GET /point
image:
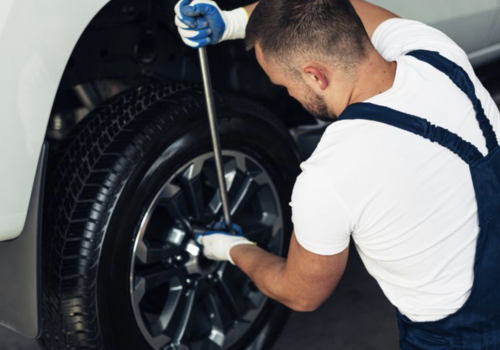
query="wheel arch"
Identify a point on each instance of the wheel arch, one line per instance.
(36, 40)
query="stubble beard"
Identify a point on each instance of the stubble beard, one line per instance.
(316, 105)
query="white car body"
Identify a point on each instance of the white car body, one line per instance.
(36, 41)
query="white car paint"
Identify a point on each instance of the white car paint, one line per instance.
(36, 41)
(38, 36)
(494, 49)
(465, 21)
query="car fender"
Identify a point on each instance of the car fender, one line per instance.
(36, 41)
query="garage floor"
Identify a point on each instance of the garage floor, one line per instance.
(356, 317)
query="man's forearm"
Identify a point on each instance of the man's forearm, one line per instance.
(263, 268)
(371, 15)
(298, 282)
(267, 271)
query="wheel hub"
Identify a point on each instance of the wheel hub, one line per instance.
(197, 263)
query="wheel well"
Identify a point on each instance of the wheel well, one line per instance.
(130, 42)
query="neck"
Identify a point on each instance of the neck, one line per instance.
(374, 76)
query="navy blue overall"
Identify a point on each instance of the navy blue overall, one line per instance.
(476, 325)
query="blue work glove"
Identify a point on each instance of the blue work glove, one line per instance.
(202, 22)
(217, 241)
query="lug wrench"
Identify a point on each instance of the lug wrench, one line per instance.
(209, 98)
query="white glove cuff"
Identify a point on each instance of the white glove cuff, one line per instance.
(242, 242)
(236, 23)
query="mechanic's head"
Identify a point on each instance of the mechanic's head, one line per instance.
(311, 47)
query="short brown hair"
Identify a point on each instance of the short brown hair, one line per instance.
(330, 29)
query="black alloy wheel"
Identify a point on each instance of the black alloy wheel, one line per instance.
(137, 182)
(180, 298)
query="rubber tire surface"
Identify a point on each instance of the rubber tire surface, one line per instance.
(90, 224)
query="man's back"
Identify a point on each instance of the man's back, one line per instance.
(409, 203)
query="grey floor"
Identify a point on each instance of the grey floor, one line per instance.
(356, 317)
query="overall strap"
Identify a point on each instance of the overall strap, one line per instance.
(465, 150)
(461, 79)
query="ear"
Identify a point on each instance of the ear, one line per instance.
(315, 77)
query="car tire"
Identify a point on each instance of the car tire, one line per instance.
(99, 193)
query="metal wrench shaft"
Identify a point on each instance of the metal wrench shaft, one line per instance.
(209, 98)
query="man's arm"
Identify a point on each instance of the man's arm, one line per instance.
(249, 8)
(371, 15)
(302, 281)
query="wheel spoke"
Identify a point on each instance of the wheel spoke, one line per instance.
(169, 309)
(141, 251)
(139, 290)
(160, 341)
(232, 299)
(261, 178)
(229, 301)
(244, 194)
(241, 186)
(185, 317)
(177, 347)
(233, 179)
(154, 253)
(192, 188)
(158, 254)
(157, 275)
(156, 331)
(173, 199)
(259, 233)
(215, 204)
(256, 298)
(217, 334)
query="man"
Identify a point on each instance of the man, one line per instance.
(413, 207)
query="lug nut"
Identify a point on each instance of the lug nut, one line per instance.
(188, 281)
(178, 258)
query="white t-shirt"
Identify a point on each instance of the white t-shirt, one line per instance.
(408, 203)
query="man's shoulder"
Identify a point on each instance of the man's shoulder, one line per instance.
(344, 135)
(346, 144)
